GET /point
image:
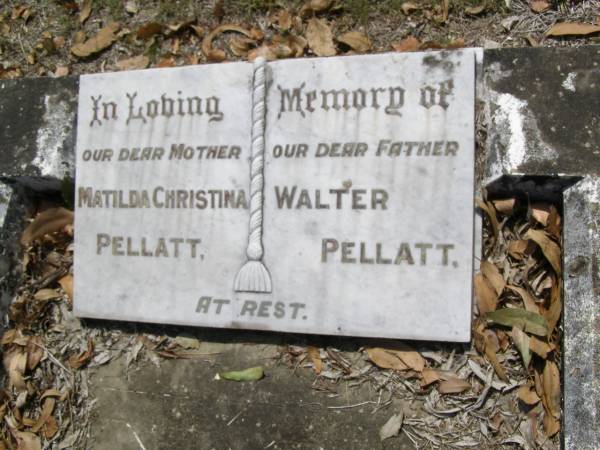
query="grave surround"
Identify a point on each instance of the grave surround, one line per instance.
(523, 97)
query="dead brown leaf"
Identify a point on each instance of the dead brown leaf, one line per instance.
(541, 212)
(218, 55)
(572, 29)
(61, 71)
(539, 347)
(85, 11)
(385, 360)
(49, 221)
(101, 40)
(78, 361)
(137, 62)
(491, 213)
(27, 440)
(15, 364)
(553, 313)
(528, 300)
(66, 283)
(35, 352)
(506, 206)
(285, 20)
(518, 248)
(47, 409)
(413, 360)
(551, 385)
(551, 425)
(356, 41)
(408, 44)
(320, 38)
(486, 297)
(50, 427)
(539, 6)
(315, 357)
(475, 10)
(46, 294)
(527, 394)
(492, 274)
(166, 62)
(241, 45)
(318, 6)
(429, 376)
(409, 7)
(453, 385)
(550, 249)
(148, 30)
(521, 341)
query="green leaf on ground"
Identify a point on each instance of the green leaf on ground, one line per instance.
(527, 321)
(251, 374)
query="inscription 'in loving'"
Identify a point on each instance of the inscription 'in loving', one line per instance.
(392, 98)
(165, 106)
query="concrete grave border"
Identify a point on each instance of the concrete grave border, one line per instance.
(527, 95)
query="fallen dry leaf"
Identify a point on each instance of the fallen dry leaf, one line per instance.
(521, 341)
(50, 427)
(47, 409)
(553, 313)
(541, 212)
(408, 44)
(506, 206)
(49, 221)
(492, 274)
(61, 71)
(518, 248)
(392, 426)
(453, 385)
(413, 360)
(429, 376)
(27, 440)
(527, 394)
(66, 283)
(148, 30)
(408, 7)
(551, 385)
(315, 357)
(475, 10)
(320, 38)
(539, 347)
(78, 361)
(551, 425)
(15, 363)
(85, 11)
(218, 55)
(285, 20)
(385, 360)
(356, 41)
(528, 300)
(137, 62)
(101, 40)
(550, 249)
(572, 29)
(539, 6)
(35, 352)
(491, 213)
(485, 296)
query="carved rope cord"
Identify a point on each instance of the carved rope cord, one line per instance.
(254, 276)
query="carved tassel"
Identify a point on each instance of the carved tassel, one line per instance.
(254, 276)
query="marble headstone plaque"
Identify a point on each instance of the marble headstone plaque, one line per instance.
(326, 195)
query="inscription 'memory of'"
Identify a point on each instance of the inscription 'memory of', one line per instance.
(391, 99)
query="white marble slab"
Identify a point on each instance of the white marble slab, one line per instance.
(375, 241)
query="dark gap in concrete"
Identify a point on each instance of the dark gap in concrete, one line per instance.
(540, 188)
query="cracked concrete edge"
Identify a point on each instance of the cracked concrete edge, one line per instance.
(581, 321)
